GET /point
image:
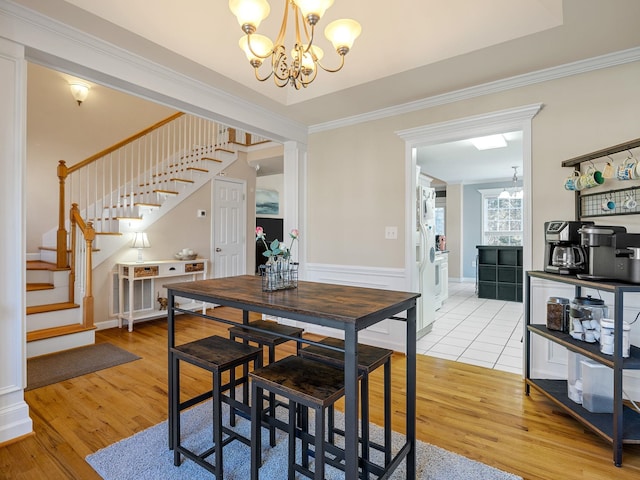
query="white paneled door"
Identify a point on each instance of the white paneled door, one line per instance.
(229, 228)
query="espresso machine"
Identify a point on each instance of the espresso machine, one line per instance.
(612, 253)
(564, 252)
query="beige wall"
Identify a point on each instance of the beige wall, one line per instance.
(357, 174)
(356, 188)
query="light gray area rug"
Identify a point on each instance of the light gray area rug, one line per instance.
(60, 366)
(145, 455)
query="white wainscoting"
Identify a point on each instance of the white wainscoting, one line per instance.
(550, 359)
(387, 334)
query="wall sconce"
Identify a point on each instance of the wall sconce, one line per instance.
(140, 241)
(80, 91)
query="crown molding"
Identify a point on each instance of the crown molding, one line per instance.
(476, 125)
(518, 81)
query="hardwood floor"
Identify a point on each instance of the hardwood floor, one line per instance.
(480, 413)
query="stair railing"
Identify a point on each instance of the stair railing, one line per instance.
(81, 255)
(109, 185)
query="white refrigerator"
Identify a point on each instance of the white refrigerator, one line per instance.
(426, 256)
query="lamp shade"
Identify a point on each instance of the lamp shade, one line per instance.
(140, 240)
(313, 7)
(250, 12)
(261, 47)
(80, 91)
(342, 33)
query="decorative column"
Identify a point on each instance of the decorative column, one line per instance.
(295, 168)
(14, 412)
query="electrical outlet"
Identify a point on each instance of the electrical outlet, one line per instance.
(391, 233)
(201, 213)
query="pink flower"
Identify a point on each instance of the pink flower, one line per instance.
(259, 232)
(294, 233)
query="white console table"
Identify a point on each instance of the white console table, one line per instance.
(130, 272)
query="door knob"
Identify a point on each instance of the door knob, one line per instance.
(218, 249)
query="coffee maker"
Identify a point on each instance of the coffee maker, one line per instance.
(564, 252)
(612, 253)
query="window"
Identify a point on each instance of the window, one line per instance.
(439, 220)
(441, 202)
(501, 218)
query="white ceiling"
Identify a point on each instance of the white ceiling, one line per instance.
(462, 162)
(409, 50)
(396, 37)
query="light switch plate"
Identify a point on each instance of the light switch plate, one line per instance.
(391, 233)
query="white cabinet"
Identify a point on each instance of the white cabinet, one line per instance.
(140, 287)
(442, 278)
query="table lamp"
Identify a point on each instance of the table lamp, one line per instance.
(140, 241)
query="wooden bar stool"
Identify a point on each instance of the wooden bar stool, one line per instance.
(303, 382)
(216, 355)
(369, 359)
(277, 334)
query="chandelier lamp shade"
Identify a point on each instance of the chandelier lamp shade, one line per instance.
(299, 66)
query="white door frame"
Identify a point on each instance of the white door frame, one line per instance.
(479, 125)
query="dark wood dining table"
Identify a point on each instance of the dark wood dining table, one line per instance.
(346, 308)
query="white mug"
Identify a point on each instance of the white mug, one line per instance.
(630, 202)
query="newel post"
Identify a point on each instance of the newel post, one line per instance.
(89, 236)
(61, 238)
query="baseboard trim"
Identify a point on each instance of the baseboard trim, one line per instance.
(15, 423)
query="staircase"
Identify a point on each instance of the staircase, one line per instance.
(122, 189)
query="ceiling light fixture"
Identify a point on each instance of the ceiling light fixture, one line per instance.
(489, 142)
(516, 192)
(301, 67)
(80, 91)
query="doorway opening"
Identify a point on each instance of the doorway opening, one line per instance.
(512, 120)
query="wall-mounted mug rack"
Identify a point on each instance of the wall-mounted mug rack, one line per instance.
(591, 204)
(625, 202)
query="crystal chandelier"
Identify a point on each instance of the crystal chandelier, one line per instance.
(299, 68)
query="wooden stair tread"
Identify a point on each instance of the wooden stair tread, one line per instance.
(51, 307)
(49, 249)
(142, 204)
(41, 265)
(219, 149)
(57, 331)
(197, 169)
(34, 287)
(168, 192)
(212, 159)
(174, 179)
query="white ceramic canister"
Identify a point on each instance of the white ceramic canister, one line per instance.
(607, 328)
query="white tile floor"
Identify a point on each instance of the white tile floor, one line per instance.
(478, 331)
